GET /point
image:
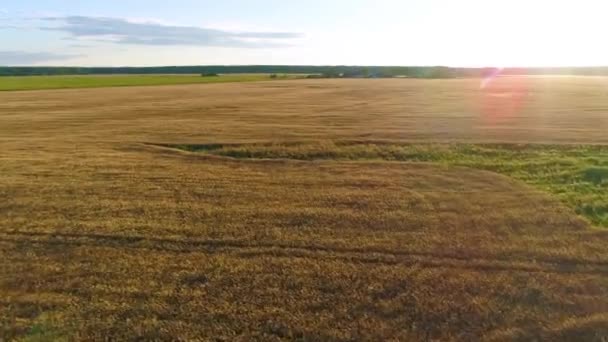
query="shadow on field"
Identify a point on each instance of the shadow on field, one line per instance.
(247, 249)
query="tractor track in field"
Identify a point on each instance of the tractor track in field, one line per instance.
(248, 249)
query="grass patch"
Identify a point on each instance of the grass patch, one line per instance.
(596, 175)
(65, 82)
(43, 331)
(578, 175)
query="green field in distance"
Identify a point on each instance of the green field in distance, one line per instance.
(65, 82)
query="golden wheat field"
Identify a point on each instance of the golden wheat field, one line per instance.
(108, 231)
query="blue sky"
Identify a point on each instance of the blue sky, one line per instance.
(364, 32)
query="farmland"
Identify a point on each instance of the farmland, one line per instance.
(63, 82)
(311, 210)
(576, 174)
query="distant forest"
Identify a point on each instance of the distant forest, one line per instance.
(320, 71)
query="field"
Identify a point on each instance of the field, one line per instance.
(307, 210)
(63, 82)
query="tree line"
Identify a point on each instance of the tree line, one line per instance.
(320, 71)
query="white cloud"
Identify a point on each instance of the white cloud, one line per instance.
(141, 32)
(26, 58)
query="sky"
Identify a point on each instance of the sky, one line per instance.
(467, 33)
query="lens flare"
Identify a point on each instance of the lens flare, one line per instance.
(502, 97)
(489, 78)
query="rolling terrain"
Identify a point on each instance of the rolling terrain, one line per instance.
(306, 210)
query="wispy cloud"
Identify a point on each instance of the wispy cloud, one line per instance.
(26, 58)
(16, 21)
(79, 46)
(122, 31)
